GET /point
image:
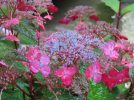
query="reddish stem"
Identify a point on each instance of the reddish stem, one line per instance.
(119, 15)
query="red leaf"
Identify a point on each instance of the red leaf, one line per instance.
(24, 7)
(94, 17)
(52, 9)
(120, 36)
(73, 17)
(41, 26)
(64, 20)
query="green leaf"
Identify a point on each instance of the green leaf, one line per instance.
(113, 4)
(12, 95)
(65, 95)
(107, 37)
(26, 30)
(99, 92)
(128, 8)
(39, 76)
(19, 66)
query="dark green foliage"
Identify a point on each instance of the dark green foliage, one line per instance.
(99, 92)
(26, 31)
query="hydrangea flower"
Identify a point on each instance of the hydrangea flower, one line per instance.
(109, 50)
(38, 61)
(66, 74)
(70, 46)
(94, 72)
(114, 77)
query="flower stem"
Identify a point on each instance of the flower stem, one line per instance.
(119, 15)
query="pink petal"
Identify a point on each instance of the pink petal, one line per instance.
(45, 71)
(11, 22)
(59, 72)
(45, 60)
(41, 26)
(12, 38)
(67, 81)
(48, 17)
(2, 63)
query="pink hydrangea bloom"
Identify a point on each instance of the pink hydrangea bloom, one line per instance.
(94, 72)
(38, 61)
(66, 74)
(109, 50)
(114, 77)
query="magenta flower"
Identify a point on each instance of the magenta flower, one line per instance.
(66, 74)
(109, 50)
(114, 77)
(38, 61)
(94, 72)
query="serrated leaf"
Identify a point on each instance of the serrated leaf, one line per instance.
(99, 92)
(128, 8)
(113, 4)
(26, 30)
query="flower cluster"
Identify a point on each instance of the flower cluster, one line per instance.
(71, 47)
(66, 74)
(23, 9)
(79, 12)
(38, 61)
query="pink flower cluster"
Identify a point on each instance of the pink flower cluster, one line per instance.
(66, 74)
(110, 79)
(111, 49)
(38, 61)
